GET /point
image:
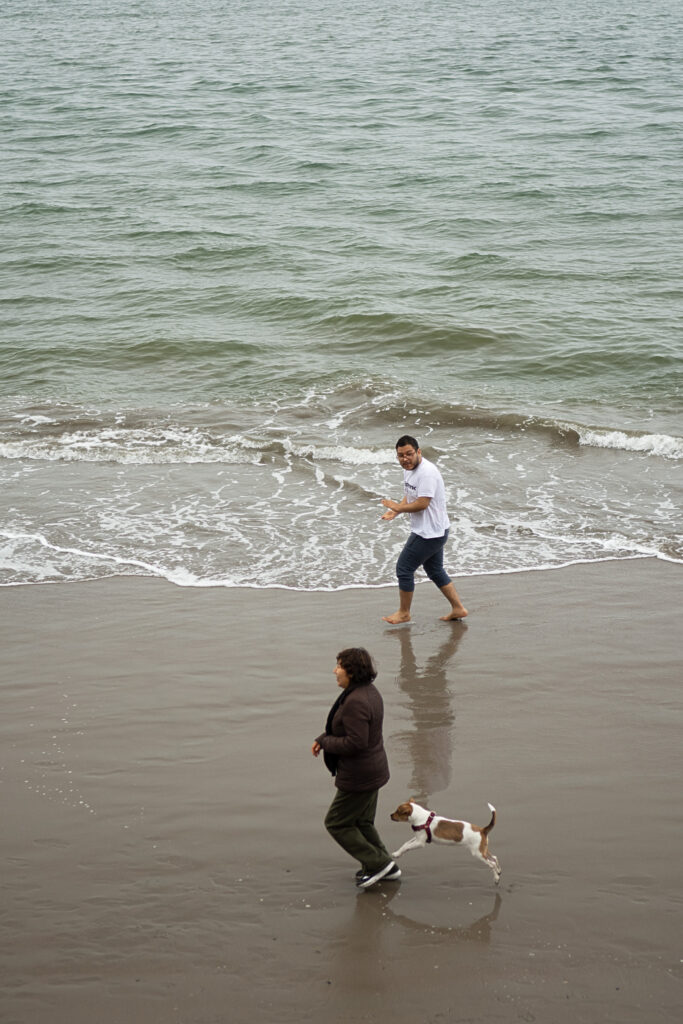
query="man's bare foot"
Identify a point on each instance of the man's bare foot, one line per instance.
(398, 617)
(455, 615)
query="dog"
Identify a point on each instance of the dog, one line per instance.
(427, 826)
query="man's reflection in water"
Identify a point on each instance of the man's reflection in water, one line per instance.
(430, 742)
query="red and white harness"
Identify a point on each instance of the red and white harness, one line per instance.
(418, 828)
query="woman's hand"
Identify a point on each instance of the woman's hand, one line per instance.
(316, 748)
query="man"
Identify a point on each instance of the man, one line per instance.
(425, 501)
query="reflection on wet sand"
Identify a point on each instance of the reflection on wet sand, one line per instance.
(430, 701)
(364, 938)
(370, 933)
(478, 931)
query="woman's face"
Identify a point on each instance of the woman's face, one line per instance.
(342, 678)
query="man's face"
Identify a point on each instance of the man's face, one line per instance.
(408, 457)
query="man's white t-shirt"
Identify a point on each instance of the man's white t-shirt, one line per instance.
(426, 482)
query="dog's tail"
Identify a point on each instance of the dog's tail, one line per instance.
(485, 831)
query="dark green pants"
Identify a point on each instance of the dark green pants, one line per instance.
(351, 823)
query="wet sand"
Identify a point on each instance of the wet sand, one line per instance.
(164, 855)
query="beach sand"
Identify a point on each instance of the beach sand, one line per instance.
(164, 858)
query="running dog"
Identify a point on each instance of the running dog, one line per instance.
(427, 826)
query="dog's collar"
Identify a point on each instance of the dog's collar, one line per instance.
(418, 828)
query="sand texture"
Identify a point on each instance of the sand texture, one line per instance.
(164, 860)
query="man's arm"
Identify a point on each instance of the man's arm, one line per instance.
(396, 507)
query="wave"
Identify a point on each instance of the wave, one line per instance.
(341, 453)
(395, 331)
(317, 424)
(23, 362)
(133, 447)
(31, 558)
(290, 493)
(177, 445)
(649, 444)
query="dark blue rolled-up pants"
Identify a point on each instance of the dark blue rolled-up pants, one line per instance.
(427, 553)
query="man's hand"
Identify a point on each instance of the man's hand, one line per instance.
(316, 748)
(393, 506)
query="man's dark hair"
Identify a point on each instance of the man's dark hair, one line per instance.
(407, 439)
(358, 665)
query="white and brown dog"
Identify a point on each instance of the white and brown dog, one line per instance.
(427, 826)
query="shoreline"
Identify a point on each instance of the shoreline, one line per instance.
(208, 585)
(163, 814)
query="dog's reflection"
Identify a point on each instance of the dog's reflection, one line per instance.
(378, 931)
(430, 702)
(479, 931)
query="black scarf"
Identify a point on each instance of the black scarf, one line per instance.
(332, 760)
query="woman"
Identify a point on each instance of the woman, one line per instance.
(353, 751)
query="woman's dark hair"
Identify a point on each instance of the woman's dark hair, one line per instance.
(358, 665)
(407, 439)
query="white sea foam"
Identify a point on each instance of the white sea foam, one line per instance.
(19, 554)
(35, 420)
(95, 556)
(341, 453)
(133, 447)
(174, 444)
(651, 444)
(294, 506)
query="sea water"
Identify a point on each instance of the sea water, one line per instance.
(246, 245)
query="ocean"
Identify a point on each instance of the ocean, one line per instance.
(247, 245)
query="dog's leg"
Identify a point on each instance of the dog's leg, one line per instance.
(492, 862)
(482, 853)
(412, 844)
